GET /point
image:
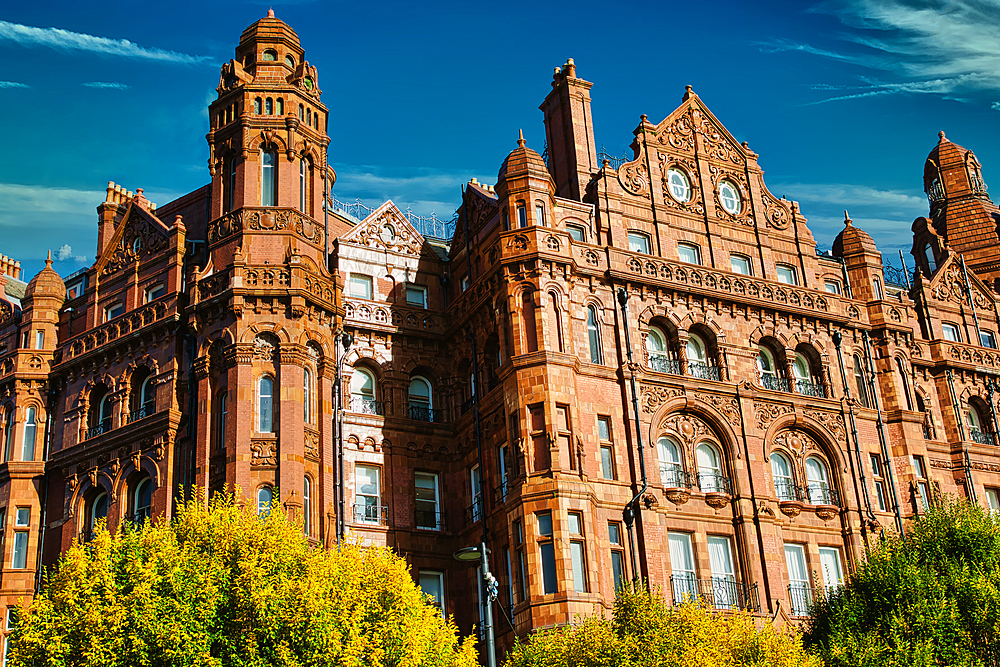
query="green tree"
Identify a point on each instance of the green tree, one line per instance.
(220, 586)
(931, 598)
(646, 632)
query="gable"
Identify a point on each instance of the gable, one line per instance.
(948, 284)
(677, 131)
(386, 228)
(138, 235)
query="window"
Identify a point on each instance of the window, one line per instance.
(659, 352)
(265, 497)
(302, 185)
(363, 392)
(987, 339)
(577, 552)
(877, 289)
(859, 381)
(420, 399)
(787, 274)
(309, 117)
(368, 494)
(268, 183)
(265, 405)
(112, 311)
(155, 292)
(98, 512)
(540, 214)
(929, 256)
(547, 552)
(680, 186)
(302, 112)
(432, 585)
(593, 335)
(829, 562)
(689, 253)
(904, 385)
(361, 286)
(729, 197)
(682, 577)
(142, 500)
(617, 554)
(307, 506)
(710, 478)
(416, 295)
(257, 105)
(270, 55)
(766, 368)
(465, 283)
(922, 490)
(993, 500)
(803, 375)
(22, 517)
(269, 106)
(522, 560)
(740, 264)
(638, 242)
(19, 559)
(476, 490)
(504, 468)
(818, 482)
(877, 476)
(577, 233)
(950, 332)
(30, 429)
(39, 340)
(522, 216)
(831, 286)
(784, 482)
(696, 351)
(799, 591)
(25, 339)
(231, 198)
(221, 411)
(427, 501)
(671, 469)
(8, 433)
(607, 448)
(307, 394)
(720, 558)
(281, 107)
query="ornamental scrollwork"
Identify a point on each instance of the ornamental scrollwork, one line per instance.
(833, 422)
(264, 452)
(686, 427)
(951, 287)
(768, 412)
(634, 177)
(716, 143)
(724, 404)
(694, 202)
(652, 396)
(140, 238)
(679, 134)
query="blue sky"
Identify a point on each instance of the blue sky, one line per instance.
(842, 100)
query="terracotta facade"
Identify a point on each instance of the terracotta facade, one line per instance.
(587, 320)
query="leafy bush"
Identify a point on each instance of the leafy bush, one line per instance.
(221, 586)
(931, 598)
(645, 632)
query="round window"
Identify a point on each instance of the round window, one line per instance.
(730, 197)
(308, 83)
(136, 244)
(388, 233)
(680, 187)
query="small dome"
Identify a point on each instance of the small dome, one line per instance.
(852, 240)
(46, 283)
(522, 160)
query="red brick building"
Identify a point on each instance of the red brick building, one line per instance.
(588, 335)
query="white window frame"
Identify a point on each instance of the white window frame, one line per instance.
(307, 505)
(114, 310)
(731, 201)
(786, 274)
(39, 339)
(438, 578)
(436, 480)
(639, 242)
(682, 568)
(260, 405)
(679, 184)
(689, 253)
(366, 517)
(720, 557)
(951, 332)
(741, 264)
(798, 578)
(264, 502)
(783, 491)
(419, 290)
(577, 233)
(363, 281)
(578, 552)
(831, 286)
(154, 292)
(830, 566)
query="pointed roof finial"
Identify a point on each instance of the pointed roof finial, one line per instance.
(847, 219)
(941, 136)
(520, 139)
(48, 260)
(270, 12)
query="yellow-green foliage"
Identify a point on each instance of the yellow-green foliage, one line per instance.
(645, 632)
(220, 586)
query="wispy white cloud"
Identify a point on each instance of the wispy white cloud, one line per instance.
(847, 195)
(65, 254)
(107, 85)
(13, 84)
(65, 40)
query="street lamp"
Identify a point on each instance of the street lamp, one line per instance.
(489, 583)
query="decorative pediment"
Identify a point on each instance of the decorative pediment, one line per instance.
(948, 284)
(138, 235)
(677, 132)
(387, 229)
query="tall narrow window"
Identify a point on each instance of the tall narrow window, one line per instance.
(528, 321)
(39, 339)
(265, 405)
(904, 385)
(8, 433)
(22, 519)
(682, 576)
(922, 495)
(607, 448)
(309, 117)
(256, 105)
(503, 467)
(577, 552)
(671, 470)
(269, 106)
(432, 585)
(547, 551)
(784, 483)
(617, 554)
(30, 428)
(307, 394)
(522, 216)
(221, 411)
(725, 594)
(594, 335)
(427, 501)
(877, 475)
(522, 560)
(877, 289)
(368, 495)
(929, 256)
(710, 477)
(281, 107)
(268, 182)
(556, 320)
(818, 480)
(142, 501)
(829, 561)
(363, 393)
(799, 592)
(476, 490)
(265, 496)
(540, 215)
(302, 185)
(859, 381)
(231, 195)
(421, 406)
(307, 506)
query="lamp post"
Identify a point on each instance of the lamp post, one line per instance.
(489, 585)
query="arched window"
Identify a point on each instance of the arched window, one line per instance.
(805, 383)
(859, 381)
(904, 385)
(877, 286)
(978, 423)
(421, 399)
(147, 395)
(265, 496)
(8, 433)
(784, 482)
(231, 198)
(268, 182)
(281, 107)
(767, 369)
(221, 413)
(929, 256)
(316, 120)
(98, 511)
(671, 469)
(363, 398)
(142, 501)
(302, 112)
(528, 321)
(30, 429)
(710, 477)
(270, 56)
(594, 335)
(269, 107)
(309, 117)
(265, 405)
(307, 506)
(307, 396)
(818, 481)
(522, 215)
(661, 357)
(302, 185)
(555, 316)
(256, 105)
(696, 350)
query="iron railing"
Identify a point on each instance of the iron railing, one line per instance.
(898, 277)
(474, 512)
(807, 388)
(467, 404)
(673, 476)
(146, 410)
(501, 491)
(100, 429)
(820, 493)
(722, 592)
(375, 515)
(787, 490)
(981, 437)
(800, 595)
(774, 383)
(713, 482)
(703, 371)
(662, 364)
(422, 413)
(365, 406)
(429, 519)
(429, 226)
(616, 161)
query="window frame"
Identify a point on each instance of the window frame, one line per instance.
(594, 335)
(437, 600)
(417, 289)
(835, 285)
(364, 280)
(264, 502)
(684, 196)
(747, 264)
(639, 242)
(268, 177)
(436, 479)
(736, 197)
(692, 249)
(269, 412)
(786, 274)
(154, 292)
(367, 519)
(577, 232)
(951, 332)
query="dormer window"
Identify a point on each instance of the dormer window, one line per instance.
(929, 256)
(290, 62)
(269, 56)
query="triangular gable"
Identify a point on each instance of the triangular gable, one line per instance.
(480, 206)
(677, 131)
(948, 284)
(140, 233)
(387, 228)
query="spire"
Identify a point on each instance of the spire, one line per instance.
(48, 260)
(847, 219)
(520, 139)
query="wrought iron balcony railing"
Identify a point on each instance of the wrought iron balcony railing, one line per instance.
(774, 383)
(721, 592)
(662, 364)
(502, 490)
(422, 413)
(100, 429)
(467, 404)
(820, 493)
(365, 406)
(807, 388)
(800, 596)
(146, 410)
(704, 371)
(713, 482)
(981, 437)
(375, 515)
(787, 490)
(673, 476)
(429, 519)
(474, 512)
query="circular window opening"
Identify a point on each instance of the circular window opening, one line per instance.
(388, 233)
(270, 55)
(729, 196)
(136, 244)
(680, 187)
(308, 83)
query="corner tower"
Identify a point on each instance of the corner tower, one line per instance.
(268, 126)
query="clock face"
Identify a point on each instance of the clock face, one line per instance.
(308, 83)
(388, 233)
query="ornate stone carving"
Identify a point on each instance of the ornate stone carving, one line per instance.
(651, 396)
(677, 496)
(833, 422)
(790, 508)
(827, 512)
(794, 441)
(389, 231)
(716, 142)
(951, 287)
(717, 500)
(724, 404)
(768, 412)
(634, 177)
(679, 134)
(264, 347)
(141, 237)
(266, 220)
(687, 427)
(311, 445)
(694, 204)
(264, 452)
(518, 242)
(776, 212)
